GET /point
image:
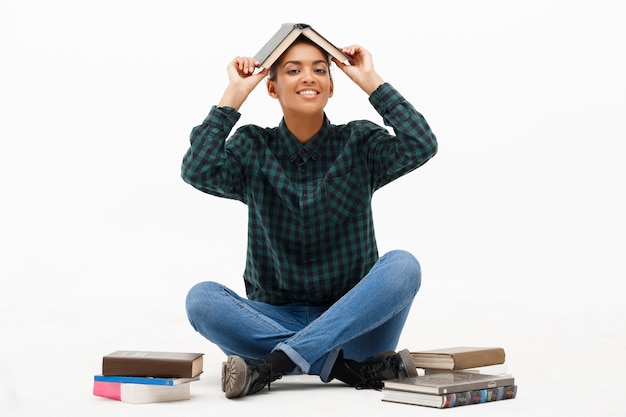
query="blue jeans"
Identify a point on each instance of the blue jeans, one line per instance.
(364, 322)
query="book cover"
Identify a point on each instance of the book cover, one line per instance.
(448, 382)
(456, 399)
(488, 370)
(141, 393)
(286, 35)
(151, 363)
(144, 380)
(461, 357)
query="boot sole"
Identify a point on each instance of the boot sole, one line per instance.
(407, 361)
(234, 376)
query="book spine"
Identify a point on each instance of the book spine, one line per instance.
(134, 380)
(112, 390)
(479, 396)
(477, 359)
(158, 368)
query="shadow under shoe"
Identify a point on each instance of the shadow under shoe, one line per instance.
(241, 376)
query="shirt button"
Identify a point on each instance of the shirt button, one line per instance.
(307, 224)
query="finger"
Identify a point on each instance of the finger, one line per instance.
(338, 63)
(262, 72)
(245, 65)
(351, 50)
(250, 65)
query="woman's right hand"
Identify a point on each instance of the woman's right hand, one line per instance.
(242, 80)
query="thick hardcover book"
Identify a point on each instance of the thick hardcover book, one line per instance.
(155, 364)
(286, 35)
(455, 358)
(144, 380)
(448, 382)
(141, 393)
(455, 399)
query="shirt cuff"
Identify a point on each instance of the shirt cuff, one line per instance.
(222, 118)
(385, 97)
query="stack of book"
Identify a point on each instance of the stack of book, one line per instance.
(452, 377)
(146, 376)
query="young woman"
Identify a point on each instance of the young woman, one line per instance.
(319, 298)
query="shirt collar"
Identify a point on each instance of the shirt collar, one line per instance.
(310, 149)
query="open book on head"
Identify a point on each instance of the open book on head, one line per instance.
(286, 35)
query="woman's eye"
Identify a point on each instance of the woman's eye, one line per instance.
(320, 70)
(293, 71)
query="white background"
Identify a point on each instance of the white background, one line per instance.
(518, 221)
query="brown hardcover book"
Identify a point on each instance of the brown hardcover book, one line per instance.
(154, 364)
(286, 35)
(461, 357)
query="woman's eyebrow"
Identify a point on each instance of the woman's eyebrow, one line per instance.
(318, 61)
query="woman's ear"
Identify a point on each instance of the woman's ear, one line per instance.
(271, 89)
(332, 88)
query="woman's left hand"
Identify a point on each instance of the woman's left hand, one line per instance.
(360, 69)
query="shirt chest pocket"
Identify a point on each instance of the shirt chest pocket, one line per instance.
(345, 196)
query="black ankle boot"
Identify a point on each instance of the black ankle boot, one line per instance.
(372, 372)
(242, 376)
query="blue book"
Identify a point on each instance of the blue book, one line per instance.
(143, 380)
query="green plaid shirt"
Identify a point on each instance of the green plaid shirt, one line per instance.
(310, 227)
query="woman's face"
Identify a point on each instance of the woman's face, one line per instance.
(303, 84)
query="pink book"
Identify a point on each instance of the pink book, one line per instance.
(141, 393)
(112, 390)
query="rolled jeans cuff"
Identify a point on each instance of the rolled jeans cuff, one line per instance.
(295, 357)
(327, 368)
(305, 367)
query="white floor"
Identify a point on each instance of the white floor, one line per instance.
(567, 358)
(518, 221)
